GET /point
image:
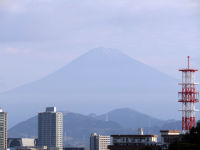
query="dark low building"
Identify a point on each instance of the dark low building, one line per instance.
(75, 148)
(30, 148)
(20, 142)
(169, 136)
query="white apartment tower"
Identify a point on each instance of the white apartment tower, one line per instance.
(99, 142)
(3, 130)
(50, 128)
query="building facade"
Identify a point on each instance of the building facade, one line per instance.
(21, 142)
(50, 128)
(136, 142)
(3, 129)
(99, 142)
(75, 148)
(30, 148)
(169, 136)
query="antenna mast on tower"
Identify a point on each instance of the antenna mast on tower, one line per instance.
(188, 97)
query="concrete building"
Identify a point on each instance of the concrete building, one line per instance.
(75, 148)
(50, 129)
(136, 142)
(169, 136)
(3, 129)
(30, 148)
(21, 142)
(99, 142)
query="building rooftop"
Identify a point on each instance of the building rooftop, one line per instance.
(134, 135)
(171, 131)
(50, 109)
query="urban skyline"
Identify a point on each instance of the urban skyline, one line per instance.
(112, 68)
(158, 34)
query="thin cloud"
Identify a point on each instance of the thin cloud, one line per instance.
(15, 51)
(57, 31)
(14, 6)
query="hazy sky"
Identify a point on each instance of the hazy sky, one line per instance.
(38, 37)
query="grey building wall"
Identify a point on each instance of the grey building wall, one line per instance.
(75, 148)
(3, 129)
(20, 142)
(99, 142)
(93, 142)
(50, 129)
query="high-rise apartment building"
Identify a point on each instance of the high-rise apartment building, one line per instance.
(50, 129)
(3, 130)
(99, 142)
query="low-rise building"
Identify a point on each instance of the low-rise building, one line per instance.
(169, 136)
(30, 148)
(21, 142)
(136, 142)
(75, 148)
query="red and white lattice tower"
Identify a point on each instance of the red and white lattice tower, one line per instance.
(188, 97)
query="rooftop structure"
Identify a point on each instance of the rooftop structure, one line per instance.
(51, 109)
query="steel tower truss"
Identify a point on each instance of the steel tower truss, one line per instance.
(188, 97)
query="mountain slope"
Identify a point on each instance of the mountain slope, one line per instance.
(76, 127)
(100, 80)
(130, 118)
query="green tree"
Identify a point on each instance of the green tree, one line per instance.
(189, 141)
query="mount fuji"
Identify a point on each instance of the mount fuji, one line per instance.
(98, 81)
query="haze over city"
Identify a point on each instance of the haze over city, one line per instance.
(99, 74)
(96, 56)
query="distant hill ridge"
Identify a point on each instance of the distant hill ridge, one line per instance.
(130, 118)
(77, 127)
